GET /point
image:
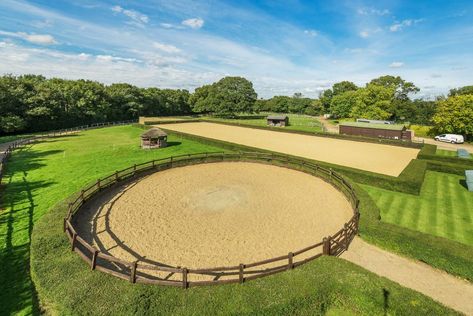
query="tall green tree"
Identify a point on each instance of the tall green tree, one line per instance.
(461, 91)
(455, 115)
(226, 97)
(343, 104)
(337, 89)
(373, 102)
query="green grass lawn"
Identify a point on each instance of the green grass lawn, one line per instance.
(297, 122)
(449, 153)
(444, 207)
(326, 286)
(41, 175)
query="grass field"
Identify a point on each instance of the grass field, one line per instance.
(326, 286)
(449, 153)
(443, 208)
(296, 122)
(41, 175)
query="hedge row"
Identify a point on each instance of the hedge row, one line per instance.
(429, 153)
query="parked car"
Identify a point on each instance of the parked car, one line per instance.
(450, 138)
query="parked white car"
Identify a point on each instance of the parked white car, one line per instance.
(450, 138)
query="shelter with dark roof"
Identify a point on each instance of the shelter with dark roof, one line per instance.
(154, 138)
(391, 131)
(277, 120)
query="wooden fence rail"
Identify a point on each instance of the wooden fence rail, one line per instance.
(137, 272)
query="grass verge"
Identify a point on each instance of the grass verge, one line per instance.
(39, 176)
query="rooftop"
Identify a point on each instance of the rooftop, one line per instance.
(392, 127)
(277, 117)
(154, 133)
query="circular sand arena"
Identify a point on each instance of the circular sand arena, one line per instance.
(216, 214)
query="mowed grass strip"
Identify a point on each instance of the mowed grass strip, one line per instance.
(449, 153)
(444, 207)
(326, 286)
(40, 175)
(297, 122)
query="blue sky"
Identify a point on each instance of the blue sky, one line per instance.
(281, 46)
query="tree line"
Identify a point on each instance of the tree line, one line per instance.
(32, 103)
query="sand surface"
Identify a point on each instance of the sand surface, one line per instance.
(439, 285)
(216, 214)
(384, 159)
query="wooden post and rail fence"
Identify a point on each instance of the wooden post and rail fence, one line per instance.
(139, 272)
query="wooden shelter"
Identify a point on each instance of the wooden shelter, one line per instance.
(154, 138)
(391, 131)
(277, 120)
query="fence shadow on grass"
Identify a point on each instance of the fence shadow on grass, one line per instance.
(17, 291)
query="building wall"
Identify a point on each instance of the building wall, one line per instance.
(374, 132)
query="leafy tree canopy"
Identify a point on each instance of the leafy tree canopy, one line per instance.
(455, 115)
(461, 91)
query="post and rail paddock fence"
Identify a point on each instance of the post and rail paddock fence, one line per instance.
(140, 272)
(25, 141)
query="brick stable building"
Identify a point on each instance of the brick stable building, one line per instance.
(391, 131)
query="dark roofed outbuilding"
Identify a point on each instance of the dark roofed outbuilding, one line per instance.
(154, 138)
(277, 120)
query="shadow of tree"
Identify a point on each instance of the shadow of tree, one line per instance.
(17, 211)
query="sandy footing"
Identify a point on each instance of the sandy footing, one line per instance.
(384, 159)
(216, 214)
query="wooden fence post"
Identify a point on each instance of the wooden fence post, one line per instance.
(98, 184)
(82, 195)
(241, 269)
(290, 257)
(345, 235)
(116, 176)
(65, 224)
(93, 263)
(331, 173)
(326, 246)
(185, 284)
(73, 243)
(170, 161)
(133, 272)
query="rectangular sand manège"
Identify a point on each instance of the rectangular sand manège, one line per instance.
(384, 159)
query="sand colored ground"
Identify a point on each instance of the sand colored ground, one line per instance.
(439, 285)
(384, 159)
(217, 214)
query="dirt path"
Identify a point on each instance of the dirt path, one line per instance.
(439, 285)
(328, 126)
(384, 159)
(448, 146)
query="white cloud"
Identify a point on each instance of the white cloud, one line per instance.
(42, 39)
(372, 11)
(311, 33)
(166, 48)
(364, 34)
(405, 23)
(195, 23)
(396, 64)
(137, 17)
